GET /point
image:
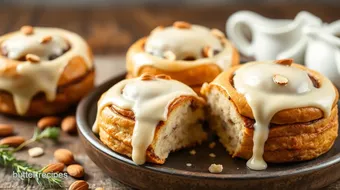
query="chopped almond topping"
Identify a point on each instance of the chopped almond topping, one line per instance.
(286, 62)
(146, 76)
(192, 152)
(215, 168)
(189, 164)
(27, 30)
(212, 155)
(163, 76)
(46, 39)
(212, 145)
(182, 25)
(169, 55)
(218, 33)
(207, 51)
(32, 58)
(279, 79)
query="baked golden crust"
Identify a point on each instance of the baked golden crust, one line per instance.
(116, 127)
(293, 142)
(289, 116)
(192, 77)
(74, 82)
(67, 95)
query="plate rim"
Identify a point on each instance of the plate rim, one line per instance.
(86, 130)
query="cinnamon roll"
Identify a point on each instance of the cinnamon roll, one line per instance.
(148, 117)
(43, 71)
(189, 53)
(273, 111)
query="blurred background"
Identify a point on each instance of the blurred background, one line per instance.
(111, 26)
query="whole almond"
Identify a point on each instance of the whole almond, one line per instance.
(69, 124)
(64, 156)
(5, 130)
(79, 185)
(286, 62)
(27, 30)
(55, 167)
(49, 121)
(182, 25)
(12, 141)
(75, 170)
(32, 58)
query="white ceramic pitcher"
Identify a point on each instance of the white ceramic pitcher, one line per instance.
(271, 38)
(323, 50)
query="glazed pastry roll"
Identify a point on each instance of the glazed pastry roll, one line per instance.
(192, 54)
(43, 71)
(148, 117)
(273, 111)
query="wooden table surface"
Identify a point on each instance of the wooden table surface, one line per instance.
(111, 31)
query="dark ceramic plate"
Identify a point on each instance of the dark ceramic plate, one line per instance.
(174, 174)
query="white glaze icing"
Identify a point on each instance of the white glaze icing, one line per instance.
(42, 76)
(149, 101)
(266, 98)
(182, 42)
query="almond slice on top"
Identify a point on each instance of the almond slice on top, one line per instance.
(218, 33)
(207, 51)
(169, 55)
(279, 79)
(146, 76)
(27, 30)
(182, 25)
(32, 58)
(286, 62)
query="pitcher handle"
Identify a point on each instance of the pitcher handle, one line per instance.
(237, 35)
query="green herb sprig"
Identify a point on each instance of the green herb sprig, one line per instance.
(23, 169)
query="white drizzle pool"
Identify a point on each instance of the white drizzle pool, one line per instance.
(149, 100)
(43, 76)
(183, 43)
(266, 98)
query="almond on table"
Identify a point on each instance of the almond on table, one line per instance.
(13, 141)
(64, 156)
(49, 121)
(75, 170)
(6, 130)
(79, 185)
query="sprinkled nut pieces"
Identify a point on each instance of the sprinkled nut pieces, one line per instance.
(45, 39)
(163, 76)
(35, 152)
(182, 25)
(169, 55)
(189, 164)
(32, 58)
(279, 79)
(215, 168)
(207, 51)
(212, 145)
(192, 152)
(286, 62)
(212, 155)
(146, 76)
(27, 30)
(218, 33)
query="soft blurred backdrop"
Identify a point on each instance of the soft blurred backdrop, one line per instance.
(110, 26)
